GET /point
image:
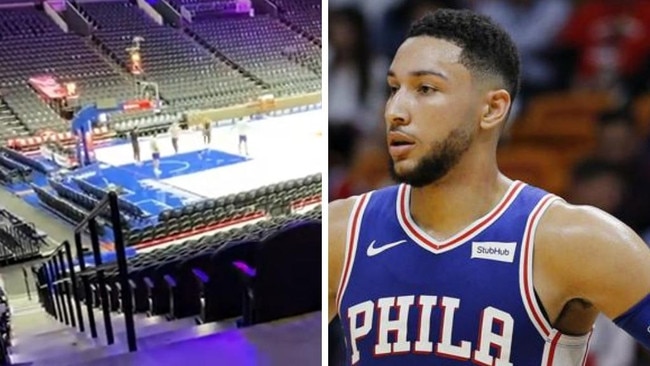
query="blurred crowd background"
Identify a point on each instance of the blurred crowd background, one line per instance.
(580, 129)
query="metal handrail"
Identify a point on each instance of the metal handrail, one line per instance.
(61, 277)
(94, 212)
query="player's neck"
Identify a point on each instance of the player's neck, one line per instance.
(450, 205)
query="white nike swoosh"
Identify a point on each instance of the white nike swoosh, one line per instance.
(373, 250)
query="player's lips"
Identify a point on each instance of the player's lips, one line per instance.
(399, 144)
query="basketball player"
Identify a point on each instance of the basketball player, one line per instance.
(207, 138)
(207, 134)
(174, 131)
(135, 144)
(241, 124)
(155, 154)
(459, 265)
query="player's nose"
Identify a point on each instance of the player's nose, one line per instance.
(396, 112)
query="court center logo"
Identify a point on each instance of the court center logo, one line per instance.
(496, 251)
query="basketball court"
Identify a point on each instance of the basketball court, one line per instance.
(280, 148)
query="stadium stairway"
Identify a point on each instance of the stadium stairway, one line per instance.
(38, 339)
(36, 335)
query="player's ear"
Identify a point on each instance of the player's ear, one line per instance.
(495, 110)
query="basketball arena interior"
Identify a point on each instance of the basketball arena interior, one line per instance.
(124, 243)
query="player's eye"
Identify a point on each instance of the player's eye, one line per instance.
(426, 89)
(393, 89)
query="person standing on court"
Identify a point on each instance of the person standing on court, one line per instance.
(241, 125)
(174, 131)
(155, 154)
(135, 144)
(207, 133)
(458, 264)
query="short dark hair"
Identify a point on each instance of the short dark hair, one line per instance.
(486, 47)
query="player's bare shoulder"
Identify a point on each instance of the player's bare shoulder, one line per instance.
(593, 256)
(339, 212)
(586, 231)
(567, 222)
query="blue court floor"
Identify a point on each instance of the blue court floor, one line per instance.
(150, 192)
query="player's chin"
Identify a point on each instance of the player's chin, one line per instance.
(407, 158)
(402, 167)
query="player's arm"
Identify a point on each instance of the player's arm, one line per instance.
(600, 260)
(338, 215)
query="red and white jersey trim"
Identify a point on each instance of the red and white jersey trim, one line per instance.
(564, 350)
(560, 349)
(427, 242)
(352, 236)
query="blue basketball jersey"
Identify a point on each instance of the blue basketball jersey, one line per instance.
(407, 299)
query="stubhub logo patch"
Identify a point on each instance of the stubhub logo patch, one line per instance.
(496, 251)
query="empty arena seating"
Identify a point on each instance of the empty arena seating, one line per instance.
(10, 125)
(126, 207)
(24, 227)
(84, 201)
(63, 207)
(19, 239)
(273, 200)
(202, 278)
(33, 45)
(9, 177)
(187, 74)
(32, 112)
(16, 167)
(210, 63)
(269, 57)
(305, 14)
(8, 246)
(24, 160)
(74, 198)
(286, 266)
